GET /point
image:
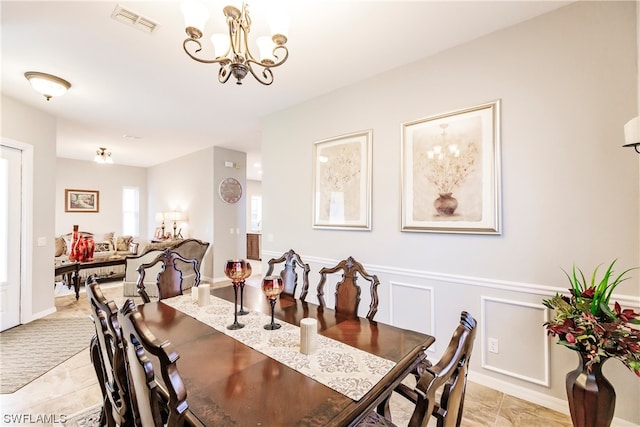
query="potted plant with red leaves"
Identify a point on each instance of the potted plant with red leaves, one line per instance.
(585, 322)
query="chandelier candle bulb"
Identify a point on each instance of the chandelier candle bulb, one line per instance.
(196, 15)
(264, 46)
(220, 44)
(204, 294)
(308, 335)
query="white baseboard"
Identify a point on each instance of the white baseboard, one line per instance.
(41, 314)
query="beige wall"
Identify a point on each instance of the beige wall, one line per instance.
(36, 128)
(570, 192)
(229, 219)
(185, 184)
(108, 179)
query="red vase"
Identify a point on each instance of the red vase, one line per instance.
(91, 246)
(74, 243)
(592, 398)
(80, 252)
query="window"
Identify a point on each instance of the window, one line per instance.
(130, 211)
(256, 213)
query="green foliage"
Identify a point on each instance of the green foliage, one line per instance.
(585, 322)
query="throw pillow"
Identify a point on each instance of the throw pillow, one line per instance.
(61, 247)
(103, 247)
(123, 243)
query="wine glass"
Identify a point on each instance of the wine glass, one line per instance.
(235, 269)
(272, 287)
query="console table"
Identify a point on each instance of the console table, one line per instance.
(72, 270)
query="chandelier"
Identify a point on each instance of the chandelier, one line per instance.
(103, 156)
(232, 50)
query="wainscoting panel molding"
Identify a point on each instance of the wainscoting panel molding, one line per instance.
(525, 364)
(520, 351)
(413, 307)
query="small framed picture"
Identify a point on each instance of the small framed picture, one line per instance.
(342, 182)
(81, 201)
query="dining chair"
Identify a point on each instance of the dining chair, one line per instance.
(292, 263)
(347, 293)
(440, 388)
(107, 356)
(169, 278)
(151, 405)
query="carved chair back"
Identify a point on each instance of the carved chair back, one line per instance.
(289, 273)
(448, 375)
(190, 249)
(147, 403)
(347, 293)
(169, 279)
(107, 356)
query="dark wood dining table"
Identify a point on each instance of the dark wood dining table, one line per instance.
(229, 383)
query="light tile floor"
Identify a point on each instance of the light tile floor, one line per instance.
(71, 387)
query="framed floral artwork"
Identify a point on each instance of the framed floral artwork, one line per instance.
(342, 182)
(81, 201)
(451, 172)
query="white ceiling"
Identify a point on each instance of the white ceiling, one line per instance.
(128, 82)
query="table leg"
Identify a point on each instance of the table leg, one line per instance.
(76, 283)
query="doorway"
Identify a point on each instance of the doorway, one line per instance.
(10, 235)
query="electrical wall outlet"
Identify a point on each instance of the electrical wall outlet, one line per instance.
(494, 345)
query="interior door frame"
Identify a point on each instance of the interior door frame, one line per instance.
(26, 228)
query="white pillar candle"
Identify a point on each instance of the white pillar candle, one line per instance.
(308, 335)
(194, 293)
(203, 294)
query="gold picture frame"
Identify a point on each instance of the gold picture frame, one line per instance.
(342, 182)
(451, 172)
(81, 201)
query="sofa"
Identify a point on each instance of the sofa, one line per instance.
(106, 245)
(187, 248)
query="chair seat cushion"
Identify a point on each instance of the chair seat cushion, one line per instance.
(373, 419)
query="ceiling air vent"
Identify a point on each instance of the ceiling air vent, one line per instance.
(133, 19)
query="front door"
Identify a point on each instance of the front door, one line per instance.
(10, 226)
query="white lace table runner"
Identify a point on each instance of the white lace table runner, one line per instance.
(348, 370)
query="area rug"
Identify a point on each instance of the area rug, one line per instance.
(28, 351)
(89, 417)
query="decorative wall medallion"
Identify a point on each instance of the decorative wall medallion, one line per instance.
(230, 190)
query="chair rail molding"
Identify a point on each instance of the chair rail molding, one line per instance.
(505, 285)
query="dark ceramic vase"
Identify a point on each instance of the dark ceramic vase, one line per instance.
(445, 204)
(592, 398)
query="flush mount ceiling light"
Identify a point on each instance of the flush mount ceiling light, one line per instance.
(47, 84)
(231, 50)
(103, 156)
